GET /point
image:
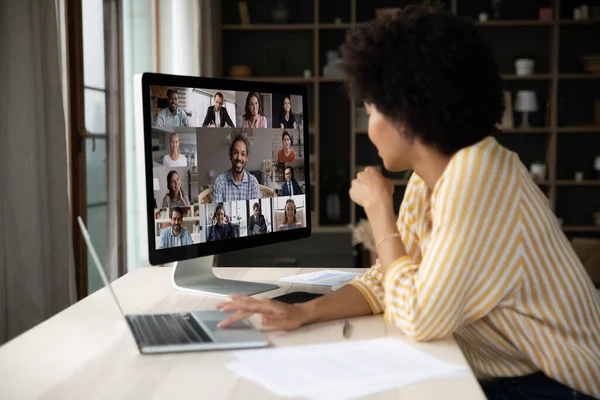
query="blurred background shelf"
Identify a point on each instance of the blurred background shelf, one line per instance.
(562, 136)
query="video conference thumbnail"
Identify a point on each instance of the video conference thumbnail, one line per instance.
(201, 223)
(213, 181)
(194, 107)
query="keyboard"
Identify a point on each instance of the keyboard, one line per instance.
(297, 297)
(167, 329)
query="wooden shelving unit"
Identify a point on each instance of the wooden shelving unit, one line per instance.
(527, 130)
(587, 182)
(268, 27)
(578, 76)
(579, 129)
(513, 22)
(535, 77)
(581, 229)
(548, 81)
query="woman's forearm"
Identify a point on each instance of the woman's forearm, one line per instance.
(382, 219)
(346, 302)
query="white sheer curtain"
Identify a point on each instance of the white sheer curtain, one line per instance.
(36, 254)
(187, 38)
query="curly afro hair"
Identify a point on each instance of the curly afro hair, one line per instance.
(430, 72)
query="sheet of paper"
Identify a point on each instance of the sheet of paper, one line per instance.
(341, 370)
(327, 277)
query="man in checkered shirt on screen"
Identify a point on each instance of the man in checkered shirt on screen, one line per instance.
(236, 183)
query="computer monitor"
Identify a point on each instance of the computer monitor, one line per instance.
(227, 168)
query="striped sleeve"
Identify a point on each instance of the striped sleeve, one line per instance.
(370, 283)
(470, 262)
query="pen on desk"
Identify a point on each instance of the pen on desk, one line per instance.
(346, 329)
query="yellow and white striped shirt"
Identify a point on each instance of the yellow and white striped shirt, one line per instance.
(488, 262)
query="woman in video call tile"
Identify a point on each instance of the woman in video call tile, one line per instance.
(175, 197)
(290, 217)
(287, 120)
(222, 228)
(174, 158)
(286, 154)
(253, 117)
(257, 224)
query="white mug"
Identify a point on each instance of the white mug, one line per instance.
(538, 171)
(524, 66)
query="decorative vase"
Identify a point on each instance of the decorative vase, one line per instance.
(280, 13)
(333, 207)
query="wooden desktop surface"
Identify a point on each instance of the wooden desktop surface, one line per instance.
(88, 352)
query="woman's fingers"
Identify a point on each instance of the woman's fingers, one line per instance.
(258, 307)
(247, 304)
(234, 318)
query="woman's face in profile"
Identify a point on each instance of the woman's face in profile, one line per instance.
(286, 105)
(175, 184)
(220, 216)
(391, 144)
(253, 105)
(174, 144)
(286, 141)
(289, 211)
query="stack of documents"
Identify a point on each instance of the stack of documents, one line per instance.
(340, 370)
(328, 277)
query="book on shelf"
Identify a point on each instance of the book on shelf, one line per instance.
(244, 14)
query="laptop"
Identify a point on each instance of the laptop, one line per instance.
(181, 331)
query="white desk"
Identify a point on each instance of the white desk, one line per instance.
(87, 351)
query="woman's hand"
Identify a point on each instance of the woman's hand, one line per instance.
(370, 188)
(274, 313)
(227, 219)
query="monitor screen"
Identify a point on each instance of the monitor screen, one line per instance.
(227, 165)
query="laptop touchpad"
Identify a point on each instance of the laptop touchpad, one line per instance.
(214, 325)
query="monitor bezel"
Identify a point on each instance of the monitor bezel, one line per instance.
(163, 256)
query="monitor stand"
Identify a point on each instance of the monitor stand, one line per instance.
(197, 276)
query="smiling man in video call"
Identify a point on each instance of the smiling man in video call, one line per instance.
(236, 183)
(175, 235)
(217, 115)
(172, 115)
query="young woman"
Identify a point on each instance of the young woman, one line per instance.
(476, 252)
(174, 158)
(175, 197)
(290, 217)
(287, 120)
(222, 228)
(253, 117)
(286, 154)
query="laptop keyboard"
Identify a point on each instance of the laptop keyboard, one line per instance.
(168, 329)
